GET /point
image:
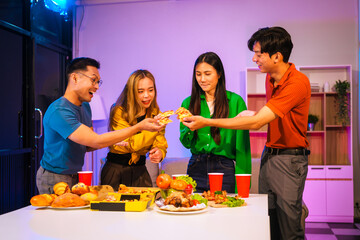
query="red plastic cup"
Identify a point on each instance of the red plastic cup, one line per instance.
(85, 177)
(178, 175)
(243, 184)
(215, 180)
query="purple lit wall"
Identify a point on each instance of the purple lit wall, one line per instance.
(166, 37)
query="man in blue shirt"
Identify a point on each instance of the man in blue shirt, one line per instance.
(68, 128)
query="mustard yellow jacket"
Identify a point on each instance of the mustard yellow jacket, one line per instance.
(140, 143)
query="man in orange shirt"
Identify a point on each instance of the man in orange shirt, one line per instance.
(284, 162)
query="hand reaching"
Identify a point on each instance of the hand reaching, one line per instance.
(150, 124)
(194, 122)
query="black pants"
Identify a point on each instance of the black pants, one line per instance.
(283, 177)
(114, 174)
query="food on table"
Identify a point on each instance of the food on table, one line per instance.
(163, 181)
(68, 200)
(80, 189)
(110, 198)
(178, 199)
(42, 200)
(199, 198)
(61, 188)
(102, 191)
(182, 113)
(88, 197)
(191, 187)
(178, 184)
(221, 199)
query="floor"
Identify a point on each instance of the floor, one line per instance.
(332, 231)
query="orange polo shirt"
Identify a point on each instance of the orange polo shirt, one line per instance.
(290, 100)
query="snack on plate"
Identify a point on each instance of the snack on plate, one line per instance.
(42, 200)
(183, 113)
(88, 197)
(61, 188)
(80, 189)
(178, 184)
(68, 200)
(220, 199)
(178, 199)
(102, 191)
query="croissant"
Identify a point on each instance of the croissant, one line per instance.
(61, 188)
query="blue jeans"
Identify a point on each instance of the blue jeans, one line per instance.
(202, 164)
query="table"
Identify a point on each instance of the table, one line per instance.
(248, 222)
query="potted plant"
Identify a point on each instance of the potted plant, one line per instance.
(312, 120)
(342, 101)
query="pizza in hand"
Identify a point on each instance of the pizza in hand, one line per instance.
(183, 113)
(165, 117)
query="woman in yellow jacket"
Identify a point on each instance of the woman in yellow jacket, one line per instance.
(126, 161)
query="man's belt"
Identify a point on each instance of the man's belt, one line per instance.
(287, 151)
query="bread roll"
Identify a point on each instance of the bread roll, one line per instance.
(41, 200)
(61, 188)
(88, 197)
(68, 200)
(80, 189)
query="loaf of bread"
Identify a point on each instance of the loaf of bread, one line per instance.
(61, 188)
(68, 200)
(42, 200)
(80, 189)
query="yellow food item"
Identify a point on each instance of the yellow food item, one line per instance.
(61, 188)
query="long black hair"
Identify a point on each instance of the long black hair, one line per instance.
(221, 104)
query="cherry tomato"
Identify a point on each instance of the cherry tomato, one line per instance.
(163, 181)
(188, 189)
(195, 202)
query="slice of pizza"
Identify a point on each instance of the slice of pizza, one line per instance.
(182, 113)
(165, 117)
(167, 113)
(164, 121)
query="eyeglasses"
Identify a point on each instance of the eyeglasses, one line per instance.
(94, 81)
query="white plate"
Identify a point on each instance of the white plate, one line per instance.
(181, 213)
(69, 208)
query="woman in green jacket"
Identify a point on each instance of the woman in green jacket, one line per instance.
(214, 149)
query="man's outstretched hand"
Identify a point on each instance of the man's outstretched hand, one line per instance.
(151, 124)
(195, 122)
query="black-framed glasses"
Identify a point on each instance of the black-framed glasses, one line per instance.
(93, 80)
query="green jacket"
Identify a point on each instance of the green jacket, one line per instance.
(234, 144)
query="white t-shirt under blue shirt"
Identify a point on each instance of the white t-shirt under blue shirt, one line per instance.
(62, 118)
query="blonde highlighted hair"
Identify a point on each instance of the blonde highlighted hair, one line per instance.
(130, 102)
